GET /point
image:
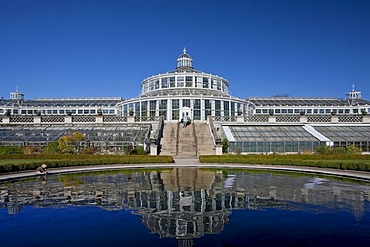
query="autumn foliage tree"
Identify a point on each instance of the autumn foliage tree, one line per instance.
(71, 143)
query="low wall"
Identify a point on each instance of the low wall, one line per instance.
(80, 119)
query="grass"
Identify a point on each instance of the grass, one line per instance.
(20, 162)
(16, 161)
(344, 162)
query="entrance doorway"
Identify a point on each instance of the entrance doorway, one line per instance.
(186, 112)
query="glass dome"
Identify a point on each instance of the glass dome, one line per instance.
(184, 61)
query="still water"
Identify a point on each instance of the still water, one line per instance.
(185, 207)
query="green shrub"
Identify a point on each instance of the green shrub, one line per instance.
(350, 162)
(60, 160)
(349, 150)
(323, 150)
(52, 148)
(353, 150)
(11, 150)
(225, 145)
(139, 150)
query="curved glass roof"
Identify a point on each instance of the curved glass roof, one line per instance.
(285, 101)
(345, 133)
(60, 102)
(270, 134)
(93, 133)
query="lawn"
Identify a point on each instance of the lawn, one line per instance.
(20, 162)
(345, 162)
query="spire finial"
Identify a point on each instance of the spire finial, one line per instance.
(184, 51)
(353, 87)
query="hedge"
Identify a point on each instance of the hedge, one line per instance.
(344, 162)
(53, 161)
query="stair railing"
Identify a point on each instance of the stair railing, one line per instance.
(215, 138)
(156, 136)
(177, 138)
(195, 140)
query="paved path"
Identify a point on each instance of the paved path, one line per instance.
(191, 163)
(187, 162)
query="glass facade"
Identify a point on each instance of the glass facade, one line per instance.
(137, 109)
(205, 82)
(197, 109)
(172, 81)
(272, 139)
(175, 109)
(217, 108)
(163, 108)
(232, 109)
(226, 108)
(207, 108)
(181, 81)
(201, 108)
(165, 82)
(153, 107)
(186, 103)
(188, 81)
(274, 147)
(144, 108)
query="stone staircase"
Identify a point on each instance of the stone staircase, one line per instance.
(169, 139)
(204, 139)
(187, 145)
(181, 142)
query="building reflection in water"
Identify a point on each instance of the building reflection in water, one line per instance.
(185, 203)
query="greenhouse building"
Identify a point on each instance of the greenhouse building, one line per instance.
(187, 112)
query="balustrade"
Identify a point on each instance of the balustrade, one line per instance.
(18, 119)
(52, 119)
(114, 119)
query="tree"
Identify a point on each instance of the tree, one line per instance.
(77, 137)
(225, 146)
(71, 143)
(65, 144)
(52, 148)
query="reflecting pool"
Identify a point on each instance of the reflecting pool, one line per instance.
(185, 207)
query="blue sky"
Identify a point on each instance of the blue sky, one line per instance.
(315, 48)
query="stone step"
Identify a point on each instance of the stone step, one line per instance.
(168, 141)
(186, 142)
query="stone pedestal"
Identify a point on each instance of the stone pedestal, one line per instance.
(153, 149)
(272, 119)
(99, 119)
(68, 119)
(6, 119)
(37, 119)
(130, 119)
(365, 119)
(303, 119)
(334, 119)
(218, 149)
(240, 119)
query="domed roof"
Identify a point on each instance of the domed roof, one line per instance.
(184, 55)
(184, 62)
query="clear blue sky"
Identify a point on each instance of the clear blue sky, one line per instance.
(76, 48)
